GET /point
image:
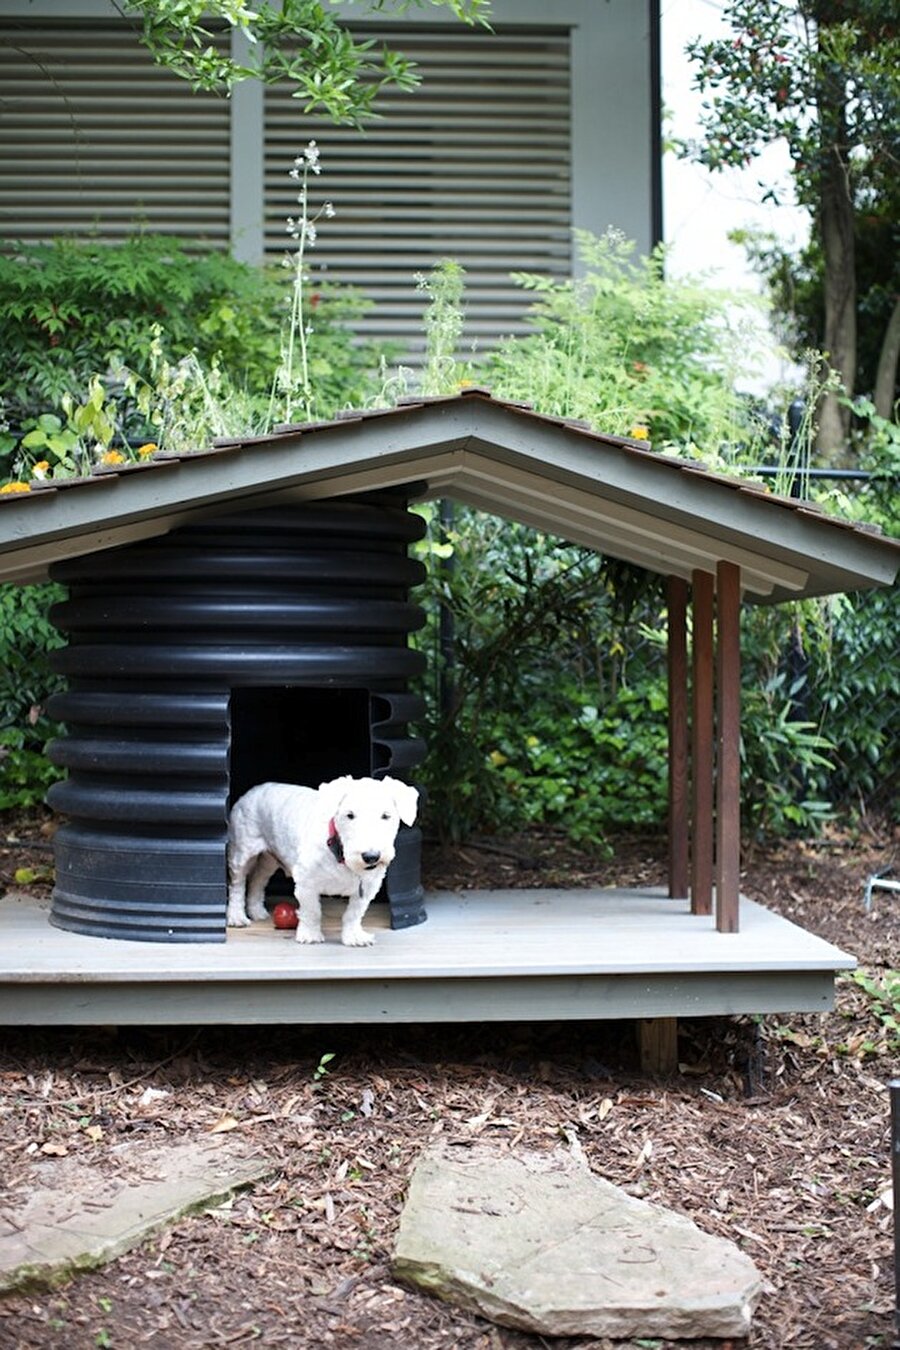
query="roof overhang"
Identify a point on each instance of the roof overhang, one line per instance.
(612, 495)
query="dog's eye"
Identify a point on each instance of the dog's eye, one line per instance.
(385, 815)
(351, 815)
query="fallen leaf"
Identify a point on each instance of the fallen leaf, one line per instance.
(54, 1150)
(152, 1094)
(224, 1124)
(645, 1153)
(94, 1132)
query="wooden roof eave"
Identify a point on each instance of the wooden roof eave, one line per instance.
(599, 491)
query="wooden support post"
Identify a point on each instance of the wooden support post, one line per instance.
(679, 813)
(702, 747)
(728, 781)
(658, 1044)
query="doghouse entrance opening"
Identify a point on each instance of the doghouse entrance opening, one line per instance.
(297, 735)
(288, 734)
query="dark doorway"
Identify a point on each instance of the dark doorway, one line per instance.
(297, 735)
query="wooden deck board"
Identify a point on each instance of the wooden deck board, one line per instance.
(481, 955)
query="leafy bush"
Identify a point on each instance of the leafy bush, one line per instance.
(26, 681)
(883, 991)
(857, 698)
(66, 308)
(784, 763)
(25, 771)
(632, 352)
(149, 313)
(587, 771)
(538, 639)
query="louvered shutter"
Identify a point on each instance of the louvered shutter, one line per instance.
(475, 165)
(96, 138)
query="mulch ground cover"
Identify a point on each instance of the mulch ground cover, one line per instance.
(773, 1133)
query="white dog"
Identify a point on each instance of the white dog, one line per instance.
(338, 840)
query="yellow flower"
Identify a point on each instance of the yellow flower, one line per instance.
(639, 434)
(498, 759)
(41, 469)
(464, 384)
(16, 487)
(145, 451)
(112, 457)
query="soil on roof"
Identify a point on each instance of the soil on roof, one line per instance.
(773, 1133)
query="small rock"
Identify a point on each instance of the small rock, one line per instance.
(536, 1241)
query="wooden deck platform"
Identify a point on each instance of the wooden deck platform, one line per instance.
(481, 956)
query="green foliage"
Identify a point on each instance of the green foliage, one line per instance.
(784, 763)
(880, 455)
(824, 79)
(443, 324)
(125, 344)
(26, 681)
(631, 352)
(69, 308)
(587, 769)
(884, 993)
(795, 281)
(538, 629)
(299, 41)
(857, 699)
(322, 1070)
(26, 638)
(25, 771)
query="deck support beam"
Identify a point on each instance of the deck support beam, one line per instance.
(702, 743)
(728, 778)
(679, 806)
(658, 1044)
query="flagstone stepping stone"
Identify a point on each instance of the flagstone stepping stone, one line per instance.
(536, 1241)
(80, 1220)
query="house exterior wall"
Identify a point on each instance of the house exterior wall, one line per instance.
(516, 137)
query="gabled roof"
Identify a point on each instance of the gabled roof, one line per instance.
(609, 493)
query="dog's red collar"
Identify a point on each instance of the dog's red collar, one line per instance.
(334, 841)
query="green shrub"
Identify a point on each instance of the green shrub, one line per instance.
(856, 697)
(26, 682)
(632, 352)
(68, 307)
(25, 771)
(538, 638)
(76, 310)
(585, 772)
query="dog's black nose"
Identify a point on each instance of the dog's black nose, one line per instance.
(371, 858)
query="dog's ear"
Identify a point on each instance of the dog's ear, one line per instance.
(406, 799)
(332, 794)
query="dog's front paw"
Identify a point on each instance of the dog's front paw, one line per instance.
(236, 918)
(357, 937)
(309, 934)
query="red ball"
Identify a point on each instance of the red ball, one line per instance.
(284, 915)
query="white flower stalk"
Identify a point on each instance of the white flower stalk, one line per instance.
(293, 379)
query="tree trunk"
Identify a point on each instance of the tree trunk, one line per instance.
(886, 377)
(838, 245)
(836, 222)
